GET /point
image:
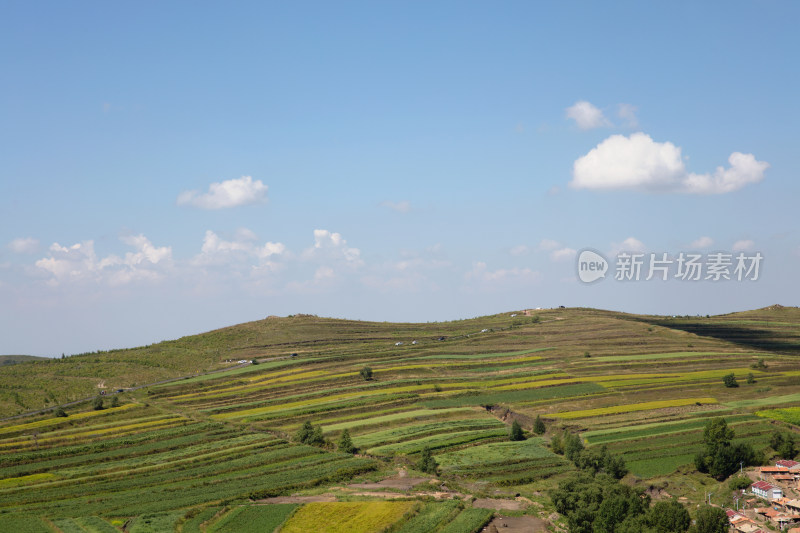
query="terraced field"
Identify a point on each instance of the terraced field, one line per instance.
(202, 453)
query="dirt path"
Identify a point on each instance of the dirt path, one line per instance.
(517, 524)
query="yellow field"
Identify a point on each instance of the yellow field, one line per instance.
(24, 480)
(347, 517)
(628, 408)
(59, 420)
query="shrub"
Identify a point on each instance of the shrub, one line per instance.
(115, 401)
(60, 412)
(538, 426)
(516, 431)
(751, 378)
(346, 443)
(427, 463)
(730, 380)
(97, 404)
(366, 373)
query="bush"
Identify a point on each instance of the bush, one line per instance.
(366, 373)
(346, 443)
(538, 426)
(516, 431)
(751, 378)
(97, 404)
(115, 401)
(730, 380)
(739, 482)
(427, 463)
(60, 412)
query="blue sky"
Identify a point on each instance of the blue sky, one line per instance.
(169, 168)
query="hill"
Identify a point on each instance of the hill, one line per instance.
(196, 451)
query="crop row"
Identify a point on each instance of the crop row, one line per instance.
(631, 407)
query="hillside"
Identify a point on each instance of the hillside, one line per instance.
(642, 386)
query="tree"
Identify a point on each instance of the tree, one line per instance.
(60, 412)
(317, 438)
(668, 516)
(97, 404)
(711, 520)
(557, 444)
(751, 378)
(783, 444)
(538, 426)
(739, 482)
(115, 401)
(366, 373)
(427, 463)
(346, 443)
(304, 433)
(572, 446)
(516, 431)
(730, 380)
(720, 458)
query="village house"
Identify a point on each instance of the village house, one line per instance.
(766, 490)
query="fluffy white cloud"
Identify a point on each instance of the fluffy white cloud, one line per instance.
(702, 242)
(587, 116)
(743, 246)
(398, 207)
(24, 245)
(637, 162)
(333, 246)
(243, 247)
(225, 194)
(80, 262)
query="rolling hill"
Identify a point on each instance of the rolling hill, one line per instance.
(197, 440)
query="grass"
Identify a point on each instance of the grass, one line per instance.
(262, 518)
(629, 408)
(347, 517)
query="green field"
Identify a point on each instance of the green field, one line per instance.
(206, 453)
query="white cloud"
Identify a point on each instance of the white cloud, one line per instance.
(639, 163)
(333, 246)
(480, 273)
(631, 244)
(743, 246)
(562, 254)
(225, 194)
(587, 116)
(519, 249)
(398, 207)
(24, 245)
(627, 112)
(80, 262)
(243, 247)
(548, 245)
(702, 242)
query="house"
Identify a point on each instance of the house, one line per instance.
(793, 466)
(766, 490)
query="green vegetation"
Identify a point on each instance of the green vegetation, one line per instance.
(730, 380)
(366, 373)
(188, 453)
(516, 431)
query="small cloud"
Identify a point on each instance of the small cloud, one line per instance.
(631, 244)
(702, 242)
(639, 163)
(398, 207)
(481, 273)
(562, 254)
(552, 191)
(226, 194)
(26, 245)
(333, 246)
(587, 116)
(519, 249)
(627, 113)
(548, 245)
(743, 246)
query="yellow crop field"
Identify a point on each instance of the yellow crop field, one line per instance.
(317, 401)
(631, 407)
(256, 385)
(59, 420)
(347, 517)
(24, 480)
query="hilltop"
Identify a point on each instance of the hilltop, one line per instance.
(218, 434)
